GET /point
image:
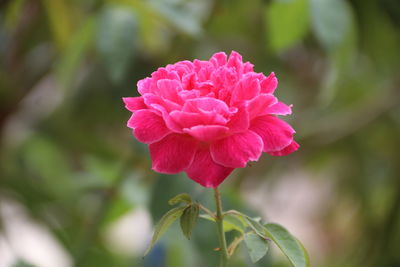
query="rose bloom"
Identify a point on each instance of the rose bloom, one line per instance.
(207, 118)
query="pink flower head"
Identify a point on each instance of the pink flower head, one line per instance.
(207, 118)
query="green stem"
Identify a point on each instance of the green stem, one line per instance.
(221, 234)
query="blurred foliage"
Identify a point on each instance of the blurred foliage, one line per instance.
(67, 157)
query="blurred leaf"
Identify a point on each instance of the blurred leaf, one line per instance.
(119, 207)
(105, 171)
(46, 161)
(179, 251)
(116, 37)
(287, 23)
(164, 224)
(254, 225)
(229, 223)
(288, 244)
(13, 13)
(331, 21)
(381, 37)
(256, 246)
(59, 14)
(184, 197)
(74, 53)
(189, 219)
(233, 223)
(186, 16)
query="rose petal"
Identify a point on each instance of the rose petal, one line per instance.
(239, 122)
(207, 133)
(205, 171)
(275, 133)
(278, 109)
(173, 154)
(169, 122)
(206, 104)
(148, 127)
(269, 84)
(236, 150)
(247, 67)
(218, 59)
(235, 60)
(163, 73)
(145, 86)
(190, 119)
(247, 88)
(151, 99)
(259, 104)
(134, 103)
(287, 150)
(168, 89)
(187, 119)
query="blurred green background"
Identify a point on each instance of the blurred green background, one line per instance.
(76, 188)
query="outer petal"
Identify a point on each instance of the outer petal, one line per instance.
(148, 127)
(205, 171)
(259, 104)
(236, 150)
(278, 109)
(168, 89)
(218, 59)
(269, 85)
(275, 133)
(145, 86)
(207, 133)
(169, 122)
(173, 154)
(151, 99)
(134, 103)
(287, 150)
(235, 60)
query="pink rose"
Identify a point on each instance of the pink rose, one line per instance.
(207, 118)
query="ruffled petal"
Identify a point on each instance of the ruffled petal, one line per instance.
(152, 99)
(235, 60)
(168, 89)
(186, 119)
(236, 150)
(205, 171)
(145, 86)
(218, 59)
(287, 150)
(247, 88)
(259, 104)
(208, 133)
(148, 127)
(134, 103)
(278, 109)
(275, 133)
(164, 73)
(173, 154)
(206, 104)
(269, 84)
(239, 122)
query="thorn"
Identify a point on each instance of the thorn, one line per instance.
(217, 249)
